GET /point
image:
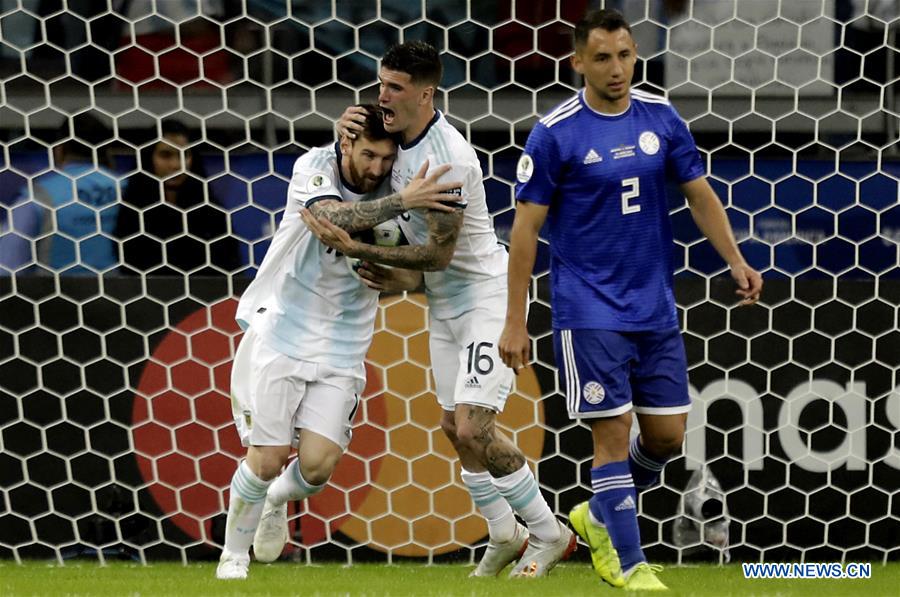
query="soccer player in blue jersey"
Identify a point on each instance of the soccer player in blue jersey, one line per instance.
(595, 168)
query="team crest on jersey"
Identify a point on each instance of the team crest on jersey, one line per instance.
(649, 142)
(524, 168)
(319, 181)
(593, 392)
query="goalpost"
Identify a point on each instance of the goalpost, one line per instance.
(115, 431)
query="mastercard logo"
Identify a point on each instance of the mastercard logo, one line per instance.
(396, 489)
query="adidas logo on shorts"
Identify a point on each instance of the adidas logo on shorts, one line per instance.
(473, 382)
(626, 504)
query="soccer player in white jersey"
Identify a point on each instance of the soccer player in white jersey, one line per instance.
(465, 284)
(308, 323)
(595, 168)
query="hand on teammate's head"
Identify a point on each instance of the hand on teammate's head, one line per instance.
(352, 121)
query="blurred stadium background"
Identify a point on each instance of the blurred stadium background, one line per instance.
(115, 432)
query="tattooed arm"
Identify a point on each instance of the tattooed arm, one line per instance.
(421, 192)
(434, 255)
(358, 215)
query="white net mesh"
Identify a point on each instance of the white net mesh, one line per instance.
(116, 342)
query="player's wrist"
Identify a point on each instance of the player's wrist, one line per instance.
(515, 319)
(737, 263)
(402, 202)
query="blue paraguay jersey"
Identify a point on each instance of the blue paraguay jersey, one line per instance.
(604, 180)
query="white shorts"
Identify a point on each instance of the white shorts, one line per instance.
(465, 357)
(273, 395)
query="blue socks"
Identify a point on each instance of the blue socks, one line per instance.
(615, 505)
(645, 469)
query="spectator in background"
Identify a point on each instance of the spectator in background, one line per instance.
(170, 222)
(63, 222)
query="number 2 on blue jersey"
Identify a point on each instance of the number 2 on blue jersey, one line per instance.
(634, 191)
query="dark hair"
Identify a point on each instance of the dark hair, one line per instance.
(89, 133)
(418, 59)
(170, 126)
(608, 20)
(373, 129)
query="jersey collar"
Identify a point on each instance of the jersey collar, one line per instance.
(601, 114)
(414, 142)
(344, 182)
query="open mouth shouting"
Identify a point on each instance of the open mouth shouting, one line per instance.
(387, 115)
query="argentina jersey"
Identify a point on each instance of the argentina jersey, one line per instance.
(306, 301)
(478, 267)
(603, 178)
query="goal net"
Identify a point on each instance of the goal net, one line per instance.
(115, 430)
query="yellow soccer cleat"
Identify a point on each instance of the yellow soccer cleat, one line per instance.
(643, 578)
(603, 554)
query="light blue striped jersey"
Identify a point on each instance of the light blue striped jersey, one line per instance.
(306, 301)
(478, 267)
(72, 216)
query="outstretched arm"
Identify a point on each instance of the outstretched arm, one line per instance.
(434, 255)
(515, 346)
(421, 192)
(708, 213)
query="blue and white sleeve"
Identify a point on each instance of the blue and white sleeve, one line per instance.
(537, 173)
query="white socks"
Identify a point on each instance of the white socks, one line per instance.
(248, 493)
(291, 485)
(521, 491)
(500, 519)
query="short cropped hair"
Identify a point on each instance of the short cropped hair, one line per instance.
(170, 126)
(606, 19)
(89, 133)
(418, 59)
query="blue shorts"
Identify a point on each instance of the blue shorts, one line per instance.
(608, 373)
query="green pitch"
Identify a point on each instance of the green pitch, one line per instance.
(571, 580)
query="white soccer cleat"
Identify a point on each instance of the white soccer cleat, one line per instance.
(232, 567)
(540, 557)
(271, 534)
(499, 554)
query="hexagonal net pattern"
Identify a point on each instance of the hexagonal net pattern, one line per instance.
(116, 343)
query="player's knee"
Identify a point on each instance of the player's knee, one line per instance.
(268, 464)
(317, 470)
(467, 436)
(663, 447)
(318, 475)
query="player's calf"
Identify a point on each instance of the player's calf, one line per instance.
(645, 466)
